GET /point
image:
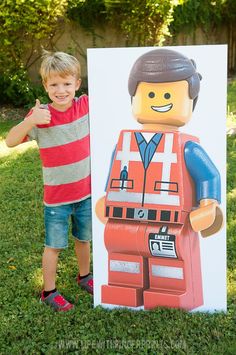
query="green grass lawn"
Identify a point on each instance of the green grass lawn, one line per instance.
(27, 327)
(231, 104)
(231, 97)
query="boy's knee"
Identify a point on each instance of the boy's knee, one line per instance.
(52, 250)
(82, 242)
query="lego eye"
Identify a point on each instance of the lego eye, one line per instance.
(151, 95)
(167, 96)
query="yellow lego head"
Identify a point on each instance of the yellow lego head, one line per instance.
(163, 103)
(164, 87)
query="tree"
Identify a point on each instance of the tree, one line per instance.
(145, 22)
(23, 24)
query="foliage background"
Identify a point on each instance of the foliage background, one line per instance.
(26, 26)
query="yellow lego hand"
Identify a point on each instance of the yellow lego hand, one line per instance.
(100, 210)
(207, 218)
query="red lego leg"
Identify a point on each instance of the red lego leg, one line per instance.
(176, 283)
(167, 284)
(127, 269)
(126, 280)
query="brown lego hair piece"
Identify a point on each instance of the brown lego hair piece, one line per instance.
(164, 65)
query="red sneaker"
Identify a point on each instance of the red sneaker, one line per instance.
(57, 302)
(86, 283)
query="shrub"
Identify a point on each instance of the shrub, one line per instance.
(23, 25)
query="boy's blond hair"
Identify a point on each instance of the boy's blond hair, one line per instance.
(60, 63)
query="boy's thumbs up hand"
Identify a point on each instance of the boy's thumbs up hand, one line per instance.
(37, 103)
(40, 115)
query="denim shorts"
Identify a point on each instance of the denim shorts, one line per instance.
(57, 220)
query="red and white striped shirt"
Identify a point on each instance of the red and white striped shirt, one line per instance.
(65, 154)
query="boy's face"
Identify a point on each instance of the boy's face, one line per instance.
(61, 90)
(162, 103)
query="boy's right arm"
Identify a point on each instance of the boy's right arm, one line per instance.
(38, 116)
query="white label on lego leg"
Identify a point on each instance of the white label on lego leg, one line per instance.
(167, 271)
(125, 266)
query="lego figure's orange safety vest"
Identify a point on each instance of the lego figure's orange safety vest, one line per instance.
(149, 180)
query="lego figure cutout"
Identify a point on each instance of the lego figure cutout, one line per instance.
(162, 191)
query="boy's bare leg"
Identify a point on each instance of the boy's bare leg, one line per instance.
(82, 250)
(50, 258)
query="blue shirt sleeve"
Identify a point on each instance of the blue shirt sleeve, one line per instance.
(203, 172)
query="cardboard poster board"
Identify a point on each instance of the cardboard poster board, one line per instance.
(110, 112)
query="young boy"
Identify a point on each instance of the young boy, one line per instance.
(61, 130)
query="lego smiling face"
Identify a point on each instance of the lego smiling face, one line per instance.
(162, 103)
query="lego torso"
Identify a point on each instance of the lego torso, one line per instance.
(149, 180)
